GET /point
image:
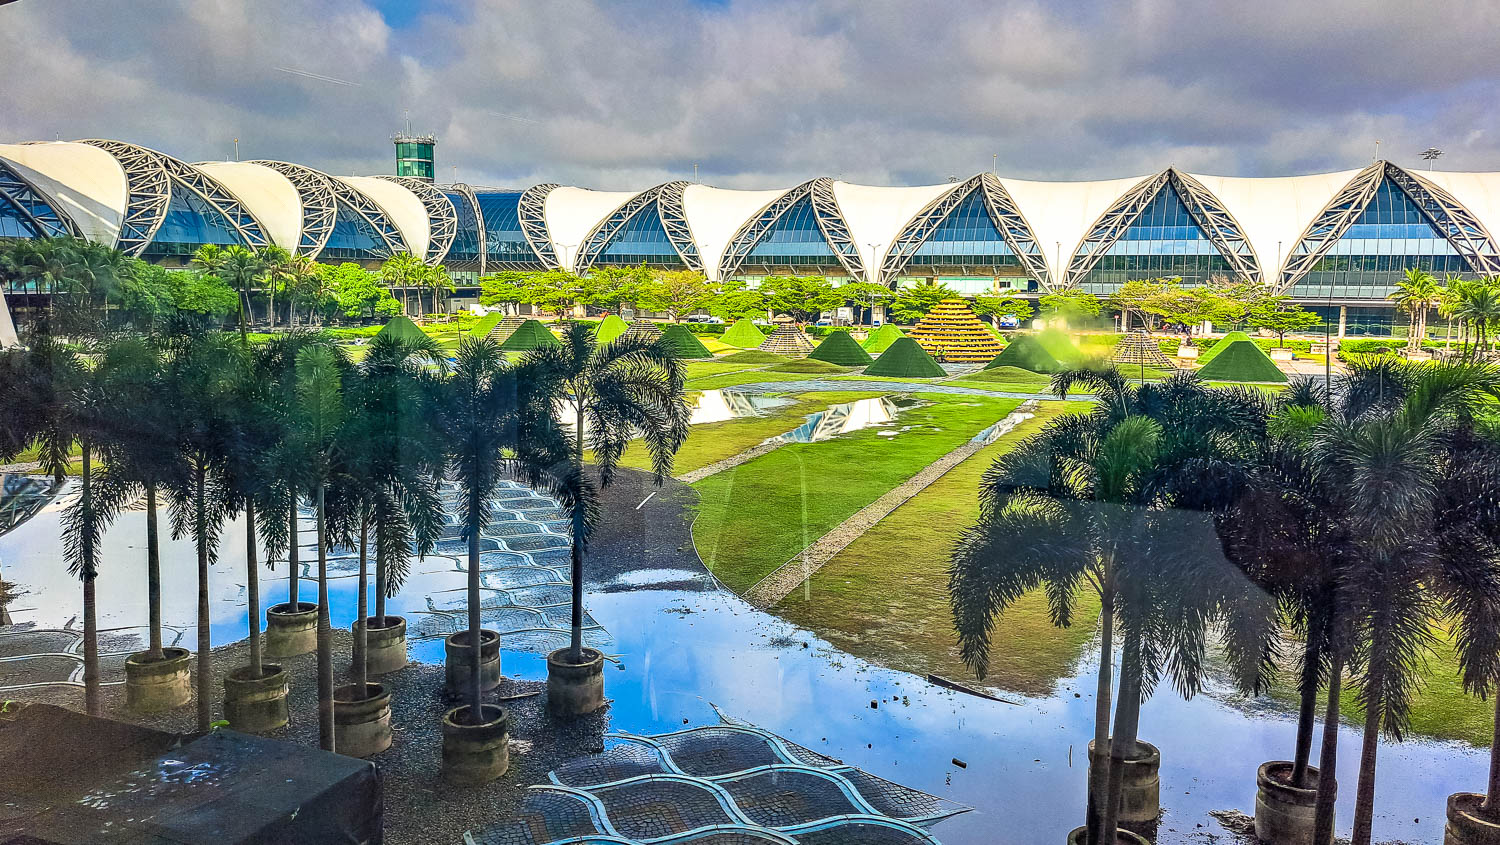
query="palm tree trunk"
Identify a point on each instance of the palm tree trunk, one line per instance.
(575, 646)
(205, 640)
(90, 610)
(1328, 758)
(362, 628)
(380, 585)
(1492, 790)
(271, 307)
(476, 697)
(1307, 714)
(1122, 740)
(252, 589)
(1099, 769)
(153, 574)
(325, 636)
(294, 567)
(1364, 796)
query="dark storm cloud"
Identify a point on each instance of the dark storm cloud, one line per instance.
(625, 94)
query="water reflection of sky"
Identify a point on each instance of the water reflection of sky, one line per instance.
(682, 650)
(848, 417)
(709, 406)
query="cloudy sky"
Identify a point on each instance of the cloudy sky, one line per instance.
(620, 94)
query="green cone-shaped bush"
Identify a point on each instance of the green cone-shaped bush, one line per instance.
(1027, 352)
(483, 326)
(744, 334)
(905, 359)
(1223, 344)
(839, 348)
(683, 342)
(610, 328)
(1060, 347)
(530, 335)
(403, 328)
(1241, 360)
(881, 339)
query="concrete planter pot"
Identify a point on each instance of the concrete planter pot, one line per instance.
(1280, 354)
(1187, 352)
(255, 705)
(361, 726)
(475, 754)
(1080, 835)
(1466, 826)
(1284, 813)
(291, 631)
(574, 689)
(1140, 802)
(457, 659)
(385, 646)
(153, 686)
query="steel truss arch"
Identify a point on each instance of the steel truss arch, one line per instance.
(1329, 225)
(246, 225)
(320, 206)
(1449, 216)
(1003, 213)
(467, 192)
(442, 217)
(531, 210)
(1110, 226)
(38, 211)
(677, 230)
(1223, 231)
(826, 212)
(148, 191)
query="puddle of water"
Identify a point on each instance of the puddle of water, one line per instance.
(848, 417)
(710, 406)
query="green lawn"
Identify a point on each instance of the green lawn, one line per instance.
(753, 518)
(884, 597)
(893, 379)
(705, 369)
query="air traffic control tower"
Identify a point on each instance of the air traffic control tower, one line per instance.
(414, 156)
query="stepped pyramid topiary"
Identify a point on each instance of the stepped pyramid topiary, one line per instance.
(881, 339)
(788, 340)
(1223, 344)
(1028, 353)
(951, 332)
(1241, 360)
(839, 348)
(506, 327)
(484, 325)
(905, 359)
(528, 336)
(1139, 348)
(744, 334)
(401, 327)
(644, 328)
(610, 328)
(683, 342)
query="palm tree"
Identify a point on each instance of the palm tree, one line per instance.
(241, 269)
(1415, 294)
(278, 267)
(628, 388)
(1479, 308)
(92, 272)
(438, 280)
(404, 270)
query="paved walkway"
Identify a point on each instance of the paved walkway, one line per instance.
(728, 463)
(873, 384)
(770, 590)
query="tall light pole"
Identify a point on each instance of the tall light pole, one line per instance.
(1431, 155)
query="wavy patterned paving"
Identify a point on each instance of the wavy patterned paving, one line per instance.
(718, 785)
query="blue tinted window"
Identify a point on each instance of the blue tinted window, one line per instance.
(466, 239)
(353, 238)
(793, 240)
(1388, 237)
(641, 239)
(966, 237)
(503, 238)
(190, 223)
(45, 221)
(12, 224)
(1162, 242)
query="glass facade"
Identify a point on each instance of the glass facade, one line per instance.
(414, 158)
(12, 224)
(966, 237)
(641, 239)
(16, 198)
(190, 223)
(1163, 241)
(466, 236)
(1389, 236)
(794, 240)
(353, 238)
(503, 238)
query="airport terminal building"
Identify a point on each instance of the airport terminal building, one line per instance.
(1332, 241)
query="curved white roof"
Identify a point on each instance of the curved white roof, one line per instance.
(572, 213)
(1064, 212)
(1478, 192)
(1274, 212)
(401, 207)
(876, 215)
(87, 182)
(715, 214)
(271, 197)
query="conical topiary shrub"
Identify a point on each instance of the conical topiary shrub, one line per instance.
(506, 327)
(1028, 353)
(839, 348)
(1223, 344)
(1241, 360)
(1060, 347)
(644, 328)
(881, 339)
(529, 336)
(788, 340)
(610, 328)
(683, 342)
(484, 325)
(744, 334)
(403, 328)
(905, 359)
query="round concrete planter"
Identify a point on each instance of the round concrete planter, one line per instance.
(574, 689)
(1465, 824)
(253, 704)
(1284, 813)
(475, 754)
(1140, 801)
(152, 686)
(290, 632)
(385, 646)
(457, 660)
(1079, 836)
(361, 726)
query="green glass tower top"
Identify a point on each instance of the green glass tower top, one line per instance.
(414, 156)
